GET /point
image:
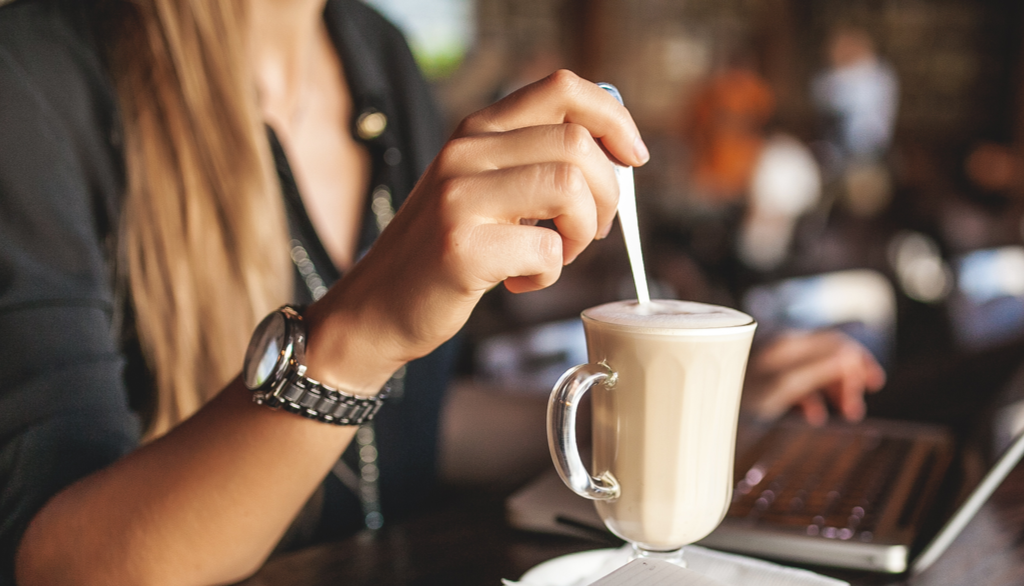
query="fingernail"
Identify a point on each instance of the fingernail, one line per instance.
(640, 151)
(604, 232)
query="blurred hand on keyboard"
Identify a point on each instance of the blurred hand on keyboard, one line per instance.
(810, 371)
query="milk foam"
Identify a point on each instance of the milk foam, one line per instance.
(667, 314)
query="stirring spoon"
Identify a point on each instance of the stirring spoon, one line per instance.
(628, 217)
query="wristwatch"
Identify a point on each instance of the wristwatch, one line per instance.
(275, 372)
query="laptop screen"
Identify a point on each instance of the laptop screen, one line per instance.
(1004, 465)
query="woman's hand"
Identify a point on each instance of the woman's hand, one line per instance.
(538, 154)
(807, 368)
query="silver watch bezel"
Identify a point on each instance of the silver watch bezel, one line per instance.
(287, 387)
(291, 356)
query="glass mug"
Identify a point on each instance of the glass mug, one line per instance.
(666, 379)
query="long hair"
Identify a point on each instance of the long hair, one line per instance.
(202, 241)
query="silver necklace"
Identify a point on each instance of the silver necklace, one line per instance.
(366, 483)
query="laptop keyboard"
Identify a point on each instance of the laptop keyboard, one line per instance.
(831, 484)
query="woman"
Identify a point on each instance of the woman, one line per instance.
(142, 217)
(159, 163)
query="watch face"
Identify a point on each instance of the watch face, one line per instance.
(267, 356)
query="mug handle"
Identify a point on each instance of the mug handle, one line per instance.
(562, 407)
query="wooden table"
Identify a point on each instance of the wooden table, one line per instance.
(463, 539)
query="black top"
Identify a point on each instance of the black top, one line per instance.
(68, 378)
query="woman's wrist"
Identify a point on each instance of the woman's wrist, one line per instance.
(346, 351)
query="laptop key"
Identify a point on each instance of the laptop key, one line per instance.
(823, 486)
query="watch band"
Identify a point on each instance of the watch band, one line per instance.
(283, 384)
(309, 398)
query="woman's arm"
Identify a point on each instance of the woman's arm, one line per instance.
(811, 370)
(533, 155)
(206, 503)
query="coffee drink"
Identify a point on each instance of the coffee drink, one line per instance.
(664, 420)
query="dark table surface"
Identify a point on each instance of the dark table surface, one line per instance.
(464, 539)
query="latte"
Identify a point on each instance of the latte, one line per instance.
(665, 429)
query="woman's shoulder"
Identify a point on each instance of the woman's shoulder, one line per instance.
(50, 36)
(57, 105)
(49, 61)
(60, 171)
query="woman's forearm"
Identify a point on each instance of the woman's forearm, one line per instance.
(204, 504)
(207, 503)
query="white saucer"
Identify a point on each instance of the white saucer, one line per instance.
(586, 567)
(569, 569)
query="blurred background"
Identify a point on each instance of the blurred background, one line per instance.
(856, 164)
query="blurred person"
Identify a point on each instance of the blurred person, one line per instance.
(817, 370)
(722, 128)
(751, 188)
(725, 130)
(785, 184)
(160, 161)
(859, 95)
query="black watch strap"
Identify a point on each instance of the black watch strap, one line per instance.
(309, 398)
(281, 336)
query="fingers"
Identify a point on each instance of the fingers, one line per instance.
(465, 226)
(559, 98)
(814, 409)
(861, 374)
(543, 191)
(527, 258)
(801, 380)
(536, 155)
(874, 378)
(564, 155)
(857, 373)
(851, 384)
(801, 369)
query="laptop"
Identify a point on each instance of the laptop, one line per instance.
(853, 496)
(862, 496)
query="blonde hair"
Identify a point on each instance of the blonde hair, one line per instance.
(203, 237)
